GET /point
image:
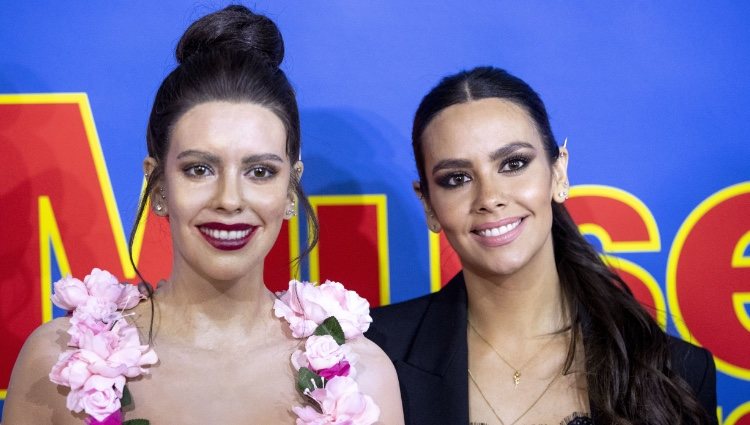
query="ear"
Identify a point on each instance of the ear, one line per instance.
(297, 168)
(158, 198)
(432, 221)
(560, 185)
(291, 206)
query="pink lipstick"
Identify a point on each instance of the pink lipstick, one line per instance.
(227, 237)
(499, 233)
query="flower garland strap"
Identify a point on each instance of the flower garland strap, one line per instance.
(104, 349)
(327, 315)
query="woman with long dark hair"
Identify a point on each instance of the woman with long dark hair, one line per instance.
(224, 168)
(535, 329)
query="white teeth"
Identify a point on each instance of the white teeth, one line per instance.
(225, 235)
(497, 231)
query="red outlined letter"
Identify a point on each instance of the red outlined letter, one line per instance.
(708, 278)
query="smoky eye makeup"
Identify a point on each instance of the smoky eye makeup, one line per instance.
(452, 180)
(516, 162)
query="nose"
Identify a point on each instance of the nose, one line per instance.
(228, 194)
(489, 196)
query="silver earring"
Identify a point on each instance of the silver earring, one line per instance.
(563, 194)
(290, 212)
(158, 207)
(434, 227)
(161, 193)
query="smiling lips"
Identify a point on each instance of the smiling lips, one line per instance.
(227, 237)
(499, 233)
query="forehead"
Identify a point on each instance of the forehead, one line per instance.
(478, 126)
(229, 127)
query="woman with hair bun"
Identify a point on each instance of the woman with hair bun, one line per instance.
(213, 345)
(535, 329)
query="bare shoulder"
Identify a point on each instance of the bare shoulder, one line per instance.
(32, 397)
(377, 378)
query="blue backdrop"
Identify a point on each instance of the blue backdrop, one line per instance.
(654, 97)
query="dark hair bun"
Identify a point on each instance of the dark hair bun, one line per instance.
(234, 28)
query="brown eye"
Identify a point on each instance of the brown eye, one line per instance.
(197, 170)
(514, 164)
(261, 172)
(453, 180)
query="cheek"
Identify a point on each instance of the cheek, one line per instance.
(270, 200)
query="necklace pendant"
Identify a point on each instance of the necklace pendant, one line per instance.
(517, 378)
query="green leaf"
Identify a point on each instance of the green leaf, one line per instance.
(331, 327)
(126, 399)
(308, 380)
(137, 422)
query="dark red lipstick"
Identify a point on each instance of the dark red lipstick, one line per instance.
(227, 237)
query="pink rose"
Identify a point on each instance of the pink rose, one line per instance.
(340, 403)
(69, 293)
(353, 312)
(99, 397)
(71, 369)
(100, 309)
(322, 352)
(305, 306)
(102, 284)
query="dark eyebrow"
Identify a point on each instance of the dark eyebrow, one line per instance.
(262, 157)
(205, 156)
(499, 153)
(509, 149)
(451, 163)
(211, 158)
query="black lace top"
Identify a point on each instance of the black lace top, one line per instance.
(576, 418)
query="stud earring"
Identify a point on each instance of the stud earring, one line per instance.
(158, 207)
(290, 212)
(434, 227)
(563, 194)
(161, 193)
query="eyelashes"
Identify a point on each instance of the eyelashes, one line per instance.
(510, 166)
(254, 172)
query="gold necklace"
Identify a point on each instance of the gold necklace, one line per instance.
(516, 370)
(528, 409)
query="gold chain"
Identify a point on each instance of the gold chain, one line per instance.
(516, 371)
(528, 409)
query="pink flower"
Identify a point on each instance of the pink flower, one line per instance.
(69, 293)
(71, 370)
(322, 352)
(99, 397)
(305, 306)
(102, 284)
(340, 403)
(84, 321)
(354, 311)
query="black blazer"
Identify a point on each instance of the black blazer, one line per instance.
(426, 340)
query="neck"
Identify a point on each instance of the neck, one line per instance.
(205, 313)
(528, 302)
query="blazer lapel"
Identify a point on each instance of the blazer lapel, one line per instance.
(438, 361)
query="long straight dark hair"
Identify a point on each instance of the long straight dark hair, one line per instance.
(628, 365)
